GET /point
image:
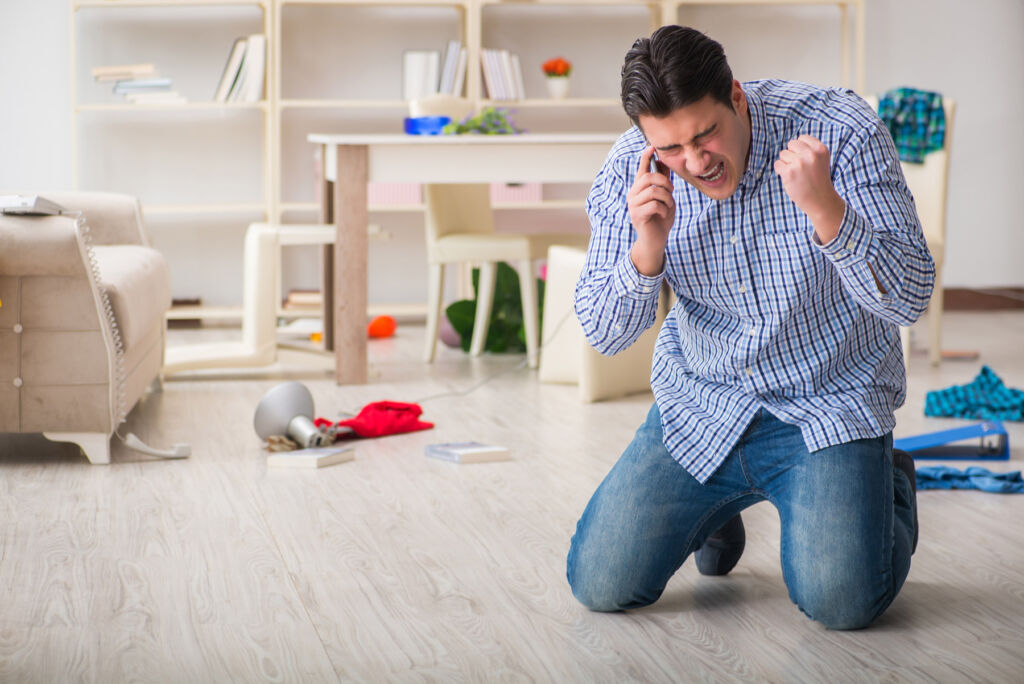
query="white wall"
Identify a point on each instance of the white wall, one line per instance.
(972, 51)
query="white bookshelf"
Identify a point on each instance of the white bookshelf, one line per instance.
(335, 66)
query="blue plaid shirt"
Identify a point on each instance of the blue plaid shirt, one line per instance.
(766, 316)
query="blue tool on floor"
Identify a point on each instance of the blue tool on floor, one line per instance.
(993, 444)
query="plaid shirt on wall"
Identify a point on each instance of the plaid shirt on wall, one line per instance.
(766, 315)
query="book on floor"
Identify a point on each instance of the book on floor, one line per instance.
(467, 452)
(317, 457)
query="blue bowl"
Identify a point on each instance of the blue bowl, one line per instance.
(426, 125)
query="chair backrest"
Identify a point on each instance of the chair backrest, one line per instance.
(462, 208)
(451, 209)
(441, 105)
(928, 182)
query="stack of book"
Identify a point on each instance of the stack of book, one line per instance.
(303, 301)
(244, 72)
(503, 75)
(138, 83)
(425, 73)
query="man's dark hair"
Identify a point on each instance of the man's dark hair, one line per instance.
(675, 67)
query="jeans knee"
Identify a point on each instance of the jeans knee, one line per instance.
(593, 591)
(603, 591)
(841, 611)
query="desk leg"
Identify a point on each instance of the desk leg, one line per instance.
(350, 270)
(327, 263)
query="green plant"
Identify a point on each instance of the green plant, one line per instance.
(490, 121)
(505, 332)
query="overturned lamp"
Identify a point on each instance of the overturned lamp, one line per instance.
(288, 410)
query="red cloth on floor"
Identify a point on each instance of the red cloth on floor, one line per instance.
(382, 418)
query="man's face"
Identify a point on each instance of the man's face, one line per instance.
(706, 143)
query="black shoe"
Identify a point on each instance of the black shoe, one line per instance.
(721, 551)
(905, 462)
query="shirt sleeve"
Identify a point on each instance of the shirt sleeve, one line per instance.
(880, 236)
(615, 303)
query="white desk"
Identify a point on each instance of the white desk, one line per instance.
(355, 160)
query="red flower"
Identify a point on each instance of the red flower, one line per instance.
(557, 66)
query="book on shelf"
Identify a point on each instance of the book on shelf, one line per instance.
(490, 86)
(517, 77)
(159, 97)
(460, 73)
(420, 73)
(451, 63)
(135, 85)
(302, 300)
(229, 76)
(121, 72)
(248, 87)
(467, 452)
(317, 457)
(503, 76)
(507, 77)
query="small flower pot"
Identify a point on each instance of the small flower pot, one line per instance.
(558, 86)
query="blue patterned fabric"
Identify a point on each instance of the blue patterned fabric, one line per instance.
(985, 397)
(767, 317)
(916, 121)
(944, 477)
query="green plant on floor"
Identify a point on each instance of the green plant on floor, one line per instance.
(506, 332)
(490, 121)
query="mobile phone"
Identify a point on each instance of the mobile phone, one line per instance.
(654, 164)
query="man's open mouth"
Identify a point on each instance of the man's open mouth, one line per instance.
(715, 173)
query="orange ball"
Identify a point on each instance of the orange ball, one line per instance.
(381, 326)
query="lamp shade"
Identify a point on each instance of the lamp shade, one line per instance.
(288, 410)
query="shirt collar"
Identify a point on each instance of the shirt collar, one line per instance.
(758, 158)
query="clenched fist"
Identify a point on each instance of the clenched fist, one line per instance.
(804, 169)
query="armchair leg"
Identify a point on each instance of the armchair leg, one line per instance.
(435, 284)
(484, 305)
(528, 290)
(95, 445)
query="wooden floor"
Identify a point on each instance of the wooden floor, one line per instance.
(395, 567)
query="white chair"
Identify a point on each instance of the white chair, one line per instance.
(928, 184)
(567, 358)
(460, 229)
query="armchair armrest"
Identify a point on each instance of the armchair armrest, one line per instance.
(43, 245)
(114, 219)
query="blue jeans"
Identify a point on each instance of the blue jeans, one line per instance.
(846, 515)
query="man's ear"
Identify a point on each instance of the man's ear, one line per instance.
(738, 97)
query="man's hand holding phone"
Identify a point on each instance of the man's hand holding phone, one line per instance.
(653, 212)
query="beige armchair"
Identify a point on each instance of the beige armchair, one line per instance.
(83, 298)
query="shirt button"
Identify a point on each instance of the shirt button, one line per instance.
(849, 245)
(734, 239)
(751, 331)
(742, 289)
(750, 371)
